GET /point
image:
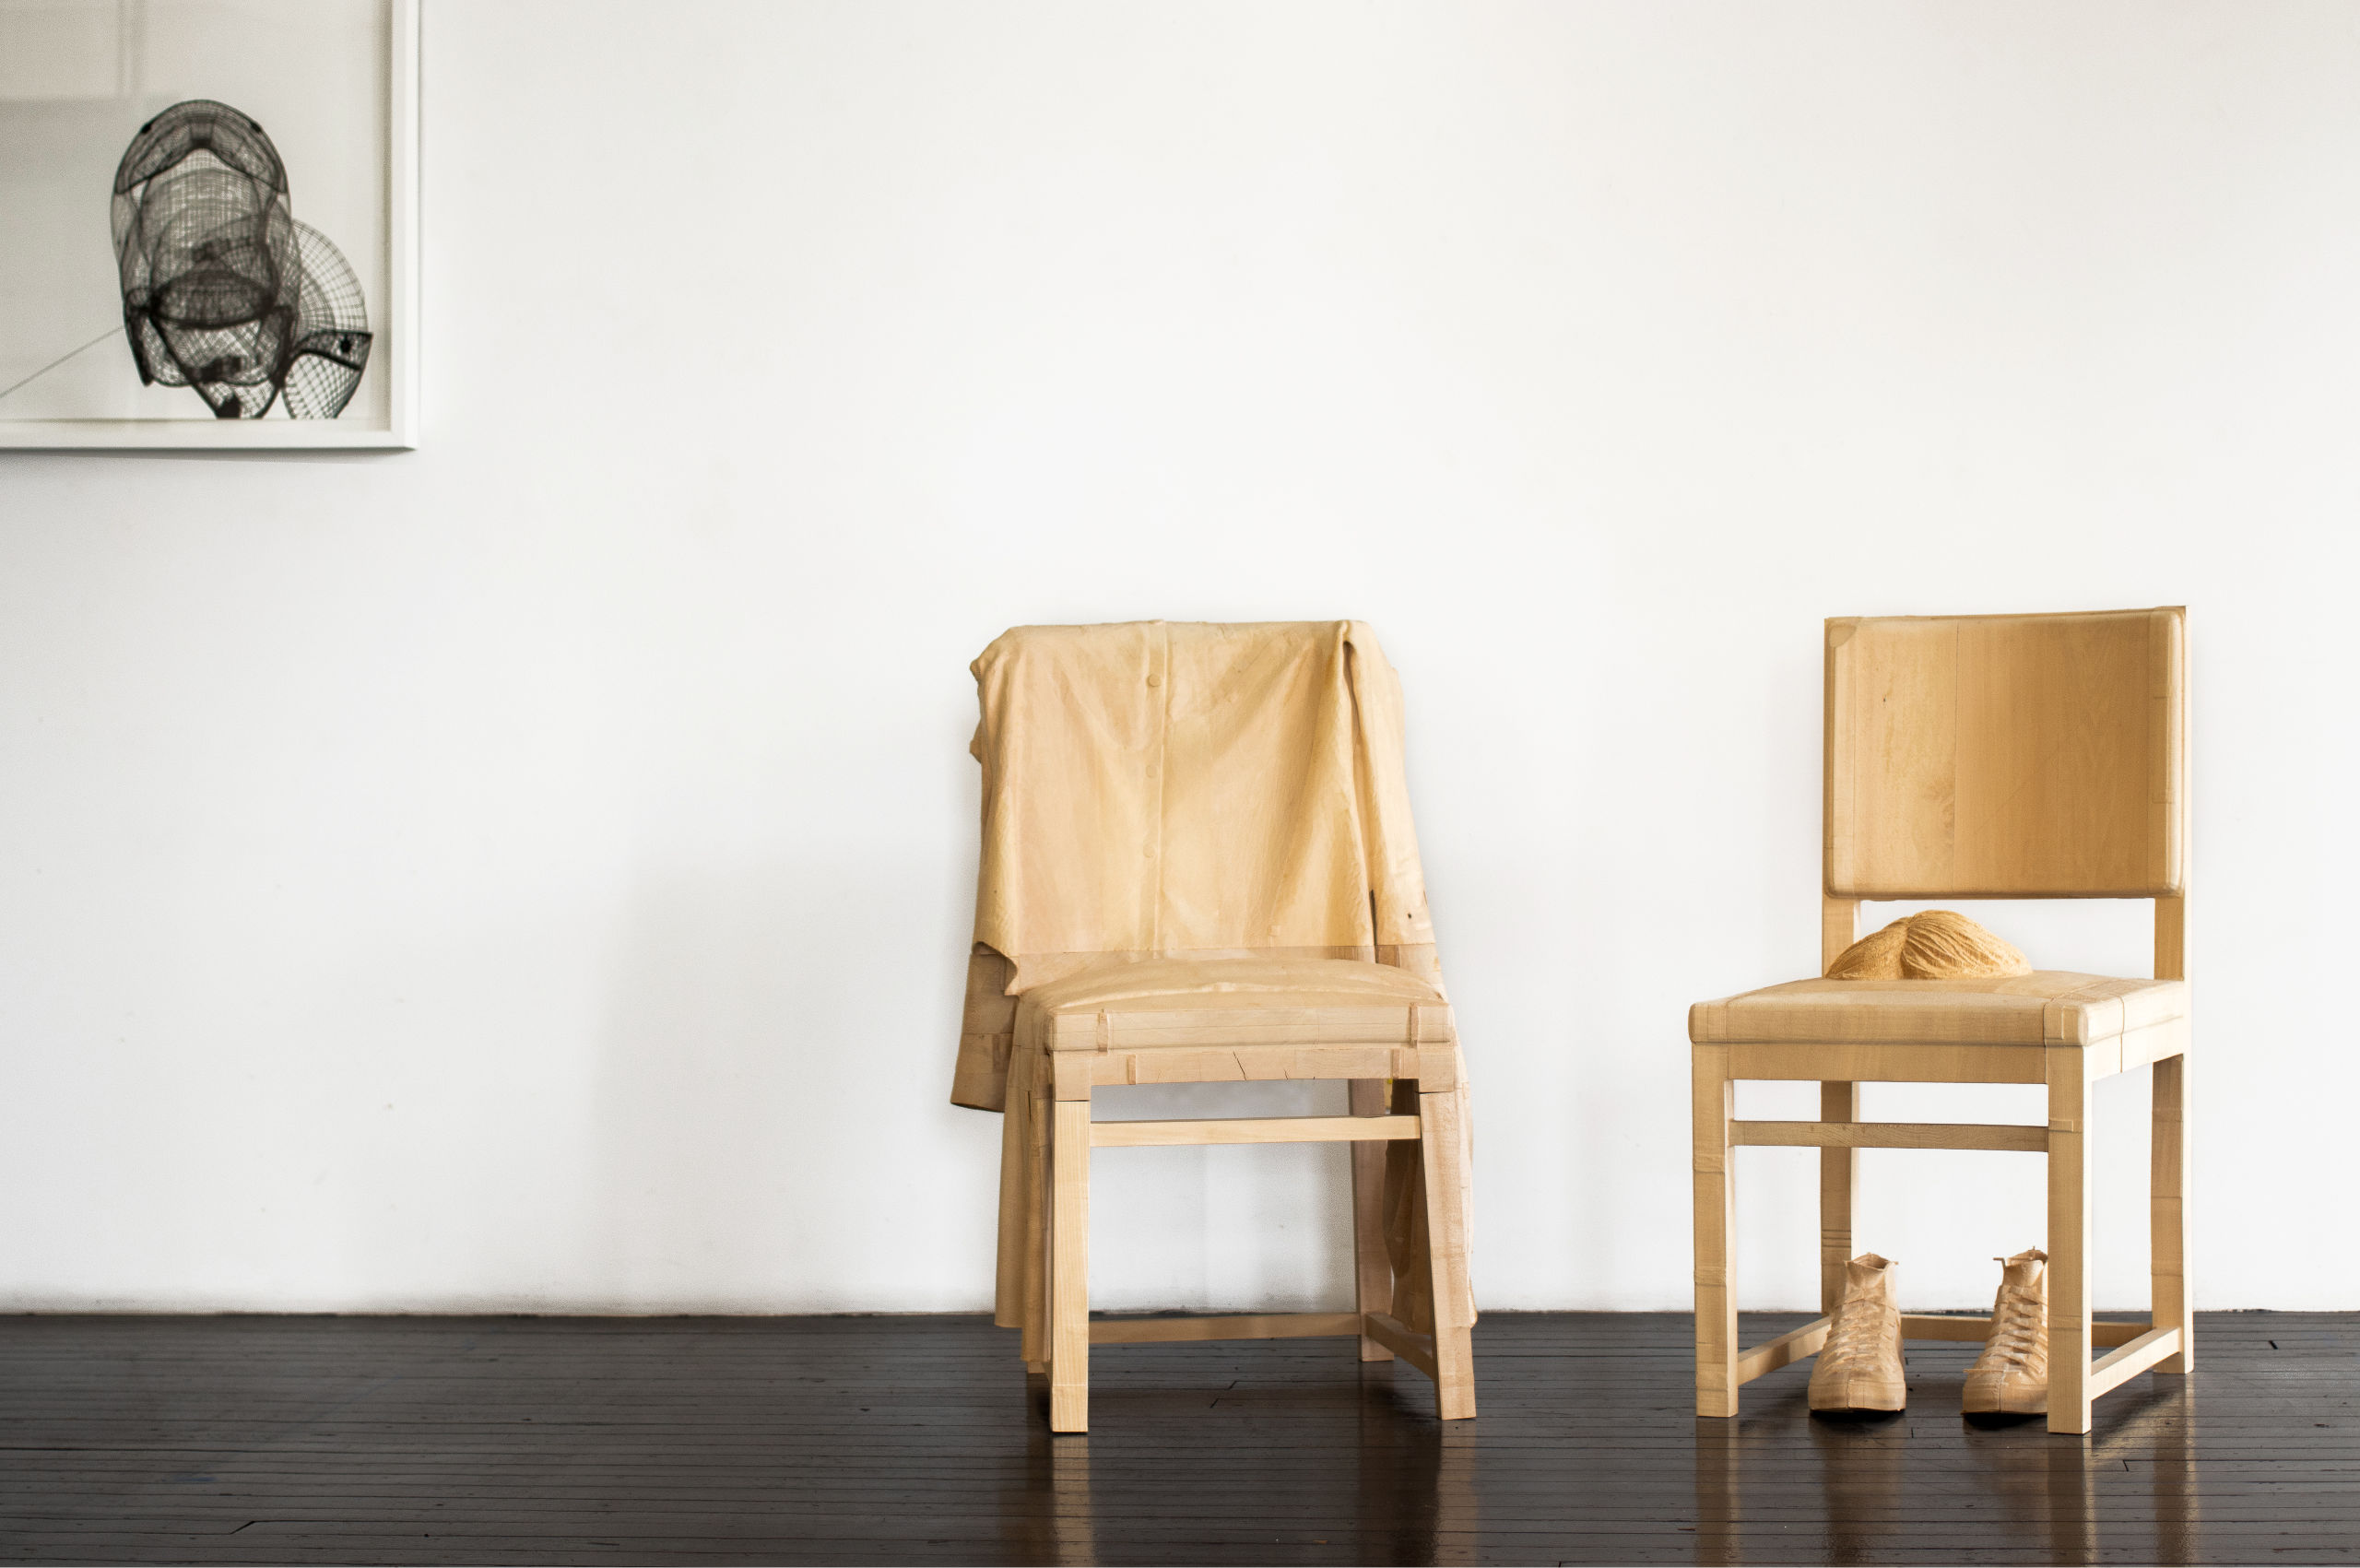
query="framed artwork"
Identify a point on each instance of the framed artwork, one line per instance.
(210, 230)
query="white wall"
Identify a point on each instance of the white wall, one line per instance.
(533, 872)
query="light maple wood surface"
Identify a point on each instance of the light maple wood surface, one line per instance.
(2168, 1150)
(1164, 1330)
(1416, 1349)
(1849, 1134)
(2044, 1008)
(1969, 1329)
(1372, 1265)
(1257, 1129)
(1713, 1112)
(1977, 756)
(1069, 1266)
(2009, 756)
(1442, 1153)
(1424, 1113)
(1199, 868)
(2068, 1244)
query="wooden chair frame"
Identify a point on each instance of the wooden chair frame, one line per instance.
(2165, 1344)
(1419, 1097)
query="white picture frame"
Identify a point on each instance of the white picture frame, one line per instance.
(391, 420)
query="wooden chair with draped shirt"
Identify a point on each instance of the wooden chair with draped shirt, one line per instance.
(1198, 866)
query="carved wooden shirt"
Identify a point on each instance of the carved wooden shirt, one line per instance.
(1160, 789)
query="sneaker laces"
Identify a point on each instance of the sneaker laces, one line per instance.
(1859, 1332)
(2016, 1335)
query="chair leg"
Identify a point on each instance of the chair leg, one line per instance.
(1716, 1348)
(2167, 1212)
(1839, 1171)
(1069, 1267)
(1442, 1151)
(2068, 1230)
(1015, 1204)
(1038, 1120)
(1372, 1265)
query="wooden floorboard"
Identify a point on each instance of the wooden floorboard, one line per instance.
(891, 1440)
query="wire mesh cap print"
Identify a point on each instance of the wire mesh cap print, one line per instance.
(222, 289)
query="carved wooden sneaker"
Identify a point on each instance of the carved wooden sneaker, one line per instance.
(1859, 1368)
(2011, 1377)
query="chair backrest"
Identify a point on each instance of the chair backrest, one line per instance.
(2007, 756)
(1176, 788)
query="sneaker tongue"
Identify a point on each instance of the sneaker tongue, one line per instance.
(2025, 1267)
(1867, 1274)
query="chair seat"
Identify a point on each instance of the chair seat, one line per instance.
(1198, 1002)
(2044, 1008)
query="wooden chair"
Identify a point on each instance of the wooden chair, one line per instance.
(1977, 756)
(1230, 991)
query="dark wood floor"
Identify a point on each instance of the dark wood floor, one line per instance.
(915, 1439)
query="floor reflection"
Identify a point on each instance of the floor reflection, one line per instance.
(1417, 1474)
(1860, 1481)
(1049, 1519)
(1048, 1516)
(2045, 1495)
(1406, 1494)
(2145, 1440)
(1719, 1517)
(2165, 1420)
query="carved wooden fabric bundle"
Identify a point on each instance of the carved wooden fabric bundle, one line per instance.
(1934, 944)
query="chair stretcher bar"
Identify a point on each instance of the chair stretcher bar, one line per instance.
(1416, 1349)
(1255, 1129)
(1791, 1346)
(2133, 1358)
(1889, 1135)
(2141, 1344)
(1975, 1330)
